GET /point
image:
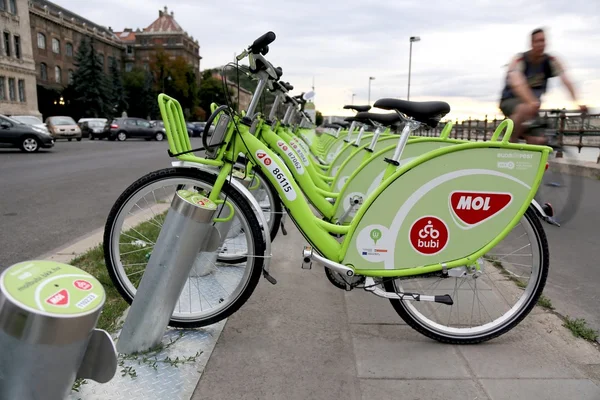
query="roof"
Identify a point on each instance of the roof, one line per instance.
(68, 15)
(126, 36)
(165, 23)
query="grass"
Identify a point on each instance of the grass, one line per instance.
(545, 302)
(579, 328)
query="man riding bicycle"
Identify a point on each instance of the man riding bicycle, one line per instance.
(526, 82)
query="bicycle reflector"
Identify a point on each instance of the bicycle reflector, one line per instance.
(547, 165)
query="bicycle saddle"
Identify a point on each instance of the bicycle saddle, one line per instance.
(427, 112)
(357, 108)
(383, 119)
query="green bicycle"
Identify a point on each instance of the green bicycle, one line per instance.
(423, 239)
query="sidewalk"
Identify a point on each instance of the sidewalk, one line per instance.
(305, 339)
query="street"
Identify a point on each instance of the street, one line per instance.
(54, 197)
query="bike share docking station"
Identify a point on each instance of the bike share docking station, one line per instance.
(48, 339)
(187, 245)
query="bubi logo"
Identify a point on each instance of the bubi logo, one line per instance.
(429, 235)
(261, 155)
(473, 208)
(82, 284)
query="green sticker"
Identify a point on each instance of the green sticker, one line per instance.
(52, 287)
(197, 199)
(375, 235)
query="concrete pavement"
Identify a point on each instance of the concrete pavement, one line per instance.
(305, 339)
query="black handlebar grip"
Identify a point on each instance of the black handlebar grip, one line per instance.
(279, 72)
(262, 41)
(288, 86)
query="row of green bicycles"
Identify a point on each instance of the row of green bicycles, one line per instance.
(446, 230)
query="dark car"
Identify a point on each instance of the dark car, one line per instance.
(28, 138)
(198, 129)
(94, 128)
(124, 128)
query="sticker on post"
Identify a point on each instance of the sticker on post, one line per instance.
(472, 208)
(82, 284)
(86, 301)
(373, 244)
(59, 299)
(280, 176)
(291, 156)
(429, 235)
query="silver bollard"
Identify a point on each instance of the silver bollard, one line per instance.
(186, 232)
(48, 314)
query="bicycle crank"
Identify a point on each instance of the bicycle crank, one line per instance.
(371, 286)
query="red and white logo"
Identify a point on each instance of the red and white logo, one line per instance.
(60, 298)
(261, 155)
(473, 208)
(429, 235)
(82, 284)
(282, 145)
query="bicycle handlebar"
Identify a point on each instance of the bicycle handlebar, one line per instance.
(262, 42)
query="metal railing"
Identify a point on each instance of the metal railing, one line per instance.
(572, 128)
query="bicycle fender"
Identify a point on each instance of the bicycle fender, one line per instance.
(262, 220)
(539, 209)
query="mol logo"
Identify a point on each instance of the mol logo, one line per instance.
(428, 235)
(59, 299)
(473, 208)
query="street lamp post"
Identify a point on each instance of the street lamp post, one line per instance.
(353, 94)
(412, 39)
(369, 98)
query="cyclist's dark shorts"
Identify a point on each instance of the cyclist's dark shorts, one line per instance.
(507, 106)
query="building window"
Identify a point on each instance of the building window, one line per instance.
(21, 90)
(70, 76)
(41, 40)
(55, 45)
(101, 59)
(57, 74)
(111, 60)
(12, 93)
(2, 5)
(129, 49)
(146, 67)
(7, 44)
(69, 49)
(18, 47)
(43, 72)
(128, 67)
(2, 83)
(13, 6)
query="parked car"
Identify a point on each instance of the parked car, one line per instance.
(28, 138)
(123, 128)
(198, 129)
(94, 128)
(31, 120)
(62, 127)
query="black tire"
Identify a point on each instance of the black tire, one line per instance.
(121, 136)
(91, 137)
(69, 139)
(30, 144)
(233, 195)
(79, 139)
(400, 306)
(159, 136)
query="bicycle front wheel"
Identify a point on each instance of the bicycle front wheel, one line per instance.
(212, 292)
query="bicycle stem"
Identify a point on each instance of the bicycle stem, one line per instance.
(262, 83)
(273, 112)
(350, 131)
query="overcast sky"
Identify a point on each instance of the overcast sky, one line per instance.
(460, 59)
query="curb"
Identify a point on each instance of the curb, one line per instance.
(585, 169)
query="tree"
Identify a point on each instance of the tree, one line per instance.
(318, 118)
(118, 96)
(139, 85)
(90, 87)
(211, 91)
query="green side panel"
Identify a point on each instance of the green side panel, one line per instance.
(366, 179)
(352, 163)
(346, 152)
(445, 208)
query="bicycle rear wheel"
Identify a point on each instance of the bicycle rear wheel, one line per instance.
(211, 293)
(503, 294)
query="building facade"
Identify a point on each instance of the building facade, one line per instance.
(18, 94)
(56, 34)
(164, 34)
